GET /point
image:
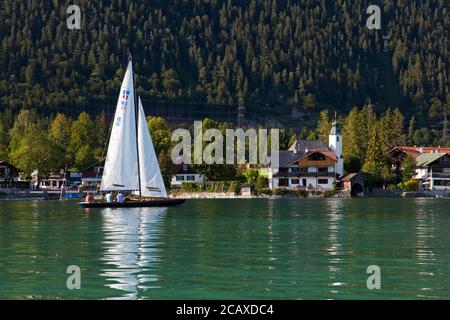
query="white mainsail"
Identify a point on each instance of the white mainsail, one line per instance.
(152, 183)
(121, 170)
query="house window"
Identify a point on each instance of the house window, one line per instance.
(283, 182)
(304, 182)
(337, 138)
(303, 169)
(322, 169)
(190, 178)
(442, 183)
(295, 181)
(180, 178)
(295, 169)
(284, 170)
(316, 157)
(322, 181)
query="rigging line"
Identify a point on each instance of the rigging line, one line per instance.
(136, 115)
(103, 159)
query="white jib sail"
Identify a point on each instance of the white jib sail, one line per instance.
(152, 183)
(121, 171)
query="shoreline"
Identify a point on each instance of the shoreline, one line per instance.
(311, 195)
(54, 195)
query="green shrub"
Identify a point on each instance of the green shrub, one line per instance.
(392, 186)
(264, 191)
(335, 185)
(235, 186)
(411, 185)
(316, 192)
(191, 187)
(262, 182)
(329, 193)
(300, 193)
(281, 192)
(211, 186)
(251, 175)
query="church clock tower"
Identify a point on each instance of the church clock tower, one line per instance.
(335, 143)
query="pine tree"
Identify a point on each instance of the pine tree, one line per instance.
(410, 135)
(24, 121)
(293, 138)
(83, 141)
(323, 127)
(375, 164)
(3, 140)
(60, 130)
(354, 135)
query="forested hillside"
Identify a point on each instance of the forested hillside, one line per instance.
(270, 55)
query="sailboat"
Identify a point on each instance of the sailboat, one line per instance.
(131, 164)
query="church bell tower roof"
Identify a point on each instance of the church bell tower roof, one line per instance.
(335, 128)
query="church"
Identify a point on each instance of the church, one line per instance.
(310, 164)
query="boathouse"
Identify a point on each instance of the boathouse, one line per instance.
(353, 182)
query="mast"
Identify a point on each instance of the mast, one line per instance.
(136, 116)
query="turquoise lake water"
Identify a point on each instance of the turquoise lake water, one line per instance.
(227, 249)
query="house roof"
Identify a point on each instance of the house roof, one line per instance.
(302, 148)
(7, 164)
(426, 159)
(286, 157)
(307, 145)
(329, 154)
(349, 177)
(416, 151)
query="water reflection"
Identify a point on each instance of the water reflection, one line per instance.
(131, 242)
(425, 233)
(270, 238)
(335, 214)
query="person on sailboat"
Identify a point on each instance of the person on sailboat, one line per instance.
(120, 197)
(109, 197)
(89, 198)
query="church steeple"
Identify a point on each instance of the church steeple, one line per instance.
(335, 143)
(335, 128)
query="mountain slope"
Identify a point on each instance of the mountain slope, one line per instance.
(270, 55)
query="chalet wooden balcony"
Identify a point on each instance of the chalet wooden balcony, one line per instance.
(303, 174)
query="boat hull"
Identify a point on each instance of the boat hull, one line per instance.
(134, 203)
